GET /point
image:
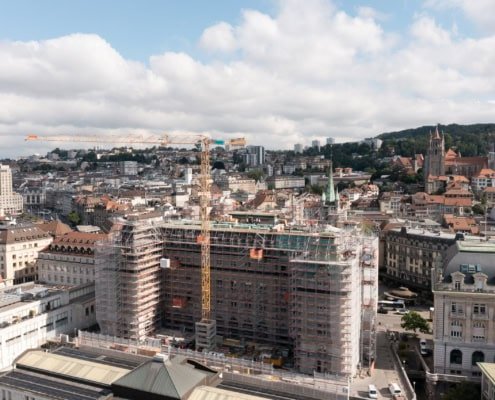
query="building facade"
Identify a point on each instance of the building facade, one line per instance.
(69, 259)
(464, 299)
(31, 314)
(19, 248)
(129, 278)
(410, 254)
(296, 291)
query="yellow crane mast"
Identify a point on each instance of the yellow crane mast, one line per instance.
(206, 327)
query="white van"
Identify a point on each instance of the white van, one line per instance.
(394, 389)
(372, 392)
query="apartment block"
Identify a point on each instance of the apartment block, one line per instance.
(411, 253)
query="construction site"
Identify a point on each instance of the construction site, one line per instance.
(302, 299)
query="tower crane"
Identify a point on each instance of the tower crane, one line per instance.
(206, 328)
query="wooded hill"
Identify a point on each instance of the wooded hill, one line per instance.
(469, 140)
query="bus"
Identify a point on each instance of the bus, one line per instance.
(391, 305)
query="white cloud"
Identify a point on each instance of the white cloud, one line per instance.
(481, 12)
(306, 72)
(219, 37)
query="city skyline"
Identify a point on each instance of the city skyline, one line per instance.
(277, 73)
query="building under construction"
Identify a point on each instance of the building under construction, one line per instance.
(313, 293)
(128, 278)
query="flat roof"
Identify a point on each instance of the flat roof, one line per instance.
(68, 366)
(52, 388)
(476, 247)
(214, 393)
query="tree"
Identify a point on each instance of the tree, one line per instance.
(478, 209)
(413, 321)
(74, 218)
(464, 391)
(255, 174)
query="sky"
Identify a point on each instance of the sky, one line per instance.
(277, 72)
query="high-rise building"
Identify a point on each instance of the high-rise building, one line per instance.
(316, 144)
(10, 202)
(298, 148)
(255, 156)
(330, 140)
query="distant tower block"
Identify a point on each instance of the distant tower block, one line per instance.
(206, 333)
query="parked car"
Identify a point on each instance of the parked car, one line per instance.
(394, 389)
(372, 392)
(402, 311)
(381, 310)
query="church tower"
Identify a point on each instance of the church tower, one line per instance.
(435, 156)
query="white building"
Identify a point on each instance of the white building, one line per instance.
(19, 247)
(485, 178)
(31, 314)
(10, 202)
(464, 296)
(330, 140)
(286, 182)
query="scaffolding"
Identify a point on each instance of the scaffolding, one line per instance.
(129, 280)
(297, 290)
(369, 287)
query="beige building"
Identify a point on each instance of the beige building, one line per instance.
(69, 259)
(464, 297)
(10, 202)
(487, 380)
(19, 248)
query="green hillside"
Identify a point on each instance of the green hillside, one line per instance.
(469, 140)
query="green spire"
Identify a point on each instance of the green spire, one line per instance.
(330, 189)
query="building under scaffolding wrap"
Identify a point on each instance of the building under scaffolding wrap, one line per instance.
(315, 293)
(128, 278)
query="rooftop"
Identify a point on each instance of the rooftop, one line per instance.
(79, 369)
(488, 370)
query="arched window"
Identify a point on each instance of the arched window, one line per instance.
(477, 357)
(456, 357)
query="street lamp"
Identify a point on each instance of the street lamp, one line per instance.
(414, 386)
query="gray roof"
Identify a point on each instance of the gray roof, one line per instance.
(480, 254)
(172, 378)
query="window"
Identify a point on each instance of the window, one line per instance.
(456, 357)
(456, 329)
(457, 285)
(479, 309)
(457, 308)
(477, 357)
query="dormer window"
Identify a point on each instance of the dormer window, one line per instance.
(457, 285)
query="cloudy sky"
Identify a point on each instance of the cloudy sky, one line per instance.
(278, 72)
